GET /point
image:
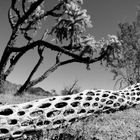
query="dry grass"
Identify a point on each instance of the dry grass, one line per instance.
(11, 99)
(10, 89)
(121, 125)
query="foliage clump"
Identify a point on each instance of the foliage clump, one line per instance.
(124, 61)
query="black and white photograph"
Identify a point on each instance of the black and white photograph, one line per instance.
(69, 70)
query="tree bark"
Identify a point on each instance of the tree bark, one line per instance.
(13, 63)
(26, 85)
(4, 60)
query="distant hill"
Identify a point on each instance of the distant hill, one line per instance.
(39, 91)
(9, 89)
(12, 88)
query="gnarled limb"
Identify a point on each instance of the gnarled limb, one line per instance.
(25, 86)
(13, 63)
(58, 49)
(47, 72)
(29, 12)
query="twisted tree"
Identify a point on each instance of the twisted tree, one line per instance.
(68, 34)
(125, 60)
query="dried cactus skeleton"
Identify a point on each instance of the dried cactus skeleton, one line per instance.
(57, 111)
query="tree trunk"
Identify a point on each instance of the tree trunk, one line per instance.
(22, 89)
(2, 83)
(32, 83)
(6, 54)
(4, 61)
(27, 83)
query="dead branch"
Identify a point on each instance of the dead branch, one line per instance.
(59, 49)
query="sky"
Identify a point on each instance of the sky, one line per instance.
(105, 16)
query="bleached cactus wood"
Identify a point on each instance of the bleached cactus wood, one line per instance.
(57, 111)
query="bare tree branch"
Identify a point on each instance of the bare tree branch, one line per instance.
(13, 3)
(26, 85)
(23, 6)
(10, 16)
(13, 63)
(72, 86)
(29, 12)
(7, 52)
(47, 13)
(58, 57)
(52, 13)
(43, 76)
(40, 51)
(50, 70)
(59, 49)
(10, 19)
